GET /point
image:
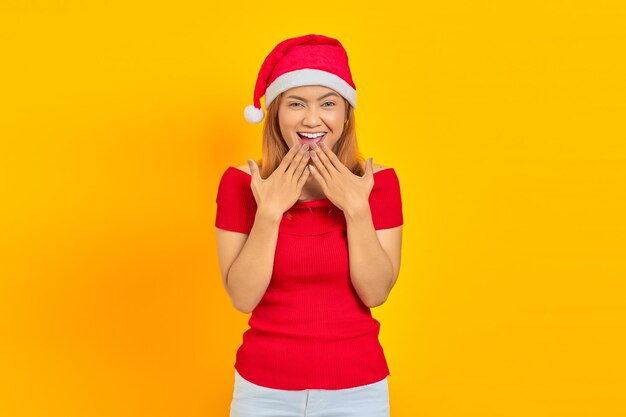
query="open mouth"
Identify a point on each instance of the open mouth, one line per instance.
(314, 139)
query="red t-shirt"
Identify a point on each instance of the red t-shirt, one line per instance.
(310, 330)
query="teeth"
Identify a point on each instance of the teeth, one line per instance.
(312, 135)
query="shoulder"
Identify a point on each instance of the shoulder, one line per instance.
(379, 167)
(245, 168)
(386, 181)
(234, 180)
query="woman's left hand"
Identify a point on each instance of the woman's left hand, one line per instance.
(345, 190)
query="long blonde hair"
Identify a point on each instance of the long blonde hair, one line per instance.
(275, 148)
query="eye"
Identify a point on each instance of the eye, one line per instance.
(329, 102)
(292, 104)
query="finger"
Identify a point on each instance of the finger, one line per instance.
(284, 164)
(369, 168)
(333, 158)
(302, 179)
(316, 174)
(302, 165)
(320, 165)
(330, 168)
(254, 169)
(297, 160)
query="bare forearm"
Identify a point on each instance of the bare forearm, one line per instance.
(371, 270)
(250, 274)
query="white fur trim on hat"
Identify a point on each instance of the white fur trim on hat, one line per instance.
(308, 76)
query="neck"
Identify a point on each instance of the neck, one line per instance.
(311, 190)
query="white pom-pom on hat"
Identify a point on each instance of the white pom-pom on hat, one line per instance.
(253, 115)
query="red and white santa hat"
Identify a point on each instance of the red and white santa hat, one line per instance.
(305, 60)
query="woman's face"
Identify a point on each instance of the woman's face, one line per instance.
(312, 109)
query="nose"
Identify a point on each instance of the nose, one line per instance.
(311, 118)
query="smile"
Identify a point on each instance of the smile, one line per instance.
(311, 137)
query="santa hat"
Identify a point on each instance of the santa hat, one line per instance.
(305, 60)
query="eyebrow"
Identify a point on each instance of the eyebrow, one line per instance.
(324, 96)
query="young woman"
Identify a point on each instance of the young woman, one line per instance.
(309, 239)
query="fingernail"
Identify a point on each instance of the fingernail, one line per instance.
(305, 146)
(313, 145)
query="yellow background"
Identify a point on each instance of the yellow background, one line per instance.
(504, 122)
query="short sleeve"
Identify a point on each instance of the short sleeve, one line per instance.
(386, 200)
(236, 206)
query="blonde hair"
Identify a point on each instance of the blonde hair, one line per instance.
(275, 148)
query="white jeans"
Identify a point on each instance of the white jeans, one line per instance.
(251, 400)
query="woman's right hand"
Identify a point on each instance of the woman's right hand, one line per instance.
(278, 192)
